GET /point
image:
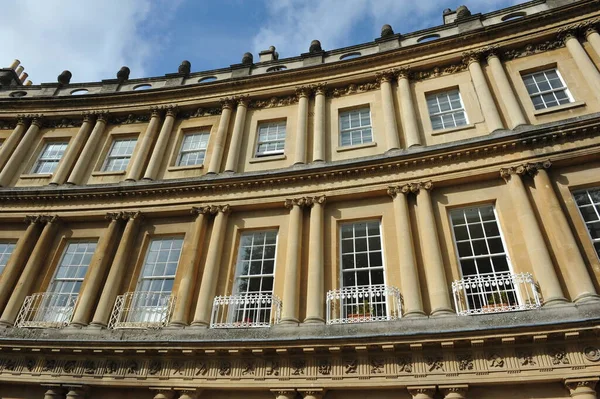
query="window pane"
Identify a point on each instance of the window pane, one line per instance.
(547, 89)
(160, 265)
(72, 268)
(271, 138)
(355, 127)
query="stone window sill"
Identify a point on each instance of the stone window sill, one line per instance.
(452, 129)
(36, 176)
(115, 173)
(187, 167)
(356, 147)
(268, 158)
(559, 108)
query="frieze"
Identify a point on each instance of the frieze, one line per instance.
(129, 119)
(9, 124)
(200, 112)
(62, 123)
(438, 71)
(531, 49)
(274, 102)
(353, 88)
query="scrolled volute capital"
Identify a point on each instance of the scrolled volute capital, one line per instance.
(172, 110)
(319, 199)
(403, 189)
(132, 215)
(320, 88)
(36, 119)
(418, 186)
(385, 76)
(291, 202)
(227, 102)
(403, 72)
(214, 209)
(201, 210)
(574, 384)
(242, 100)
(303, 91)
(114, 216)
(472, 56)
(428, 390)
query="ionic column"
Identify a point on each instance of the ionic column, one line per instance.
(141, 157)
(163, 393)
(389, 112)
(54, 392)
(208, 284)
(291, 283)
(319, 130)
(189, 268)
(583, 61)
(592, 36)
(409, 276)
(189, 393)
(582, 388)
(158, 152)
(312, 393)
(72, 152)
(237, 134)
(11, 142)
(284, 393)
(454, 391)
(216, 157)
(435, 274)
(17, 260)
(302, 128)
(422, 392)
(534, 241)
(408, 115)
(117, 270)
(97, 270)
(315, 298)
(84, 159)
(572, 265)
(76, 392)
(513, 109)
(31, 271)
(488, 106)
(18, 156)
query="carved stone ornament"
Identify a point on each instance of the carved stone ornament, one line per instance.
(435, 363)
(324, 367)
(592, 354)
(354, 88)
(526, 359)
(465, 362)
(129, 119)
(298, 366)
(225, 368)
(62, 123)
(200, 112)
(531, 49)
(201, 369)
(69, 366)
(249, 368)
(290, 203)
(559, 356)
(272, 368)
(178, 368)
(495, 361)
(8, 124)
(404, 365)
(274, 102)
(350, 366)
(438, 71)
(377, 366)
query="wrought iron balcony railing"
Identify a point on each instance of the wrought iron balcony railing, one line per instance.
(142, 309)
(47, 310)
(245, 311)
(363, 304)
(492, 293)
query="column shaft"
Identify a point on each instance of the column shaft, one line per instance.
(316, 269)
(291, 283)
(97, 272)
(593, 38)
(158, 152)
(571, 262)
(18, 156)
(409, 276)
(536, 246)
(408, 115)
(210, 275)
(117, 271)
(302, 131)
(189, 272)
(507, 95)
(31, 272)
(84, 159)
(236, 137)
(11, 142)
(141, 157)
(584, 63)
(488, 106)
(432, 256)
(73, 149)
(319, 126)
(217, 153)
(17, 260)
(389, 114)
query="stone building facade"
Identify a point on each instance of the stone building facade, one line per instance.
(413, 217)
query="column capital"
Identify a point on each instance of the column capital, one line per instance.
(403, 72)
(163, 393)
(201, 210)
(290, 203)
(36, 119)
(588, 30)
(454, 391)
(242, 100)
(319, 199)
(155, 111)
(76, 391)
(227, 103)
(21, 119)
(471, 56)
(492, 51)
(303, 91)
(385, 76)
(393, 191)
(422, 392)
(417, 187)
(114, 216)
(581, 385)
(214, 209)
(132, 215)
(285, 393)
(530, 168)
(567, 33)
(189, 393)
(49, 219)
(320, 88)
(172, 110)
(315, 392)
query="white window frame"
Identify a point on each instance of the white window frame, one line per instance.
(363, 132)
(280, 129)
(552, 91)
(5, 254)
(454, 112)
(250, 309)
(596, 207)
(44, 159)
(110, 156)
(200, 152)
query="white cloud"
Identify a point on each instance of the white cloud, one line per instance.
(292, 24)
(92, 39)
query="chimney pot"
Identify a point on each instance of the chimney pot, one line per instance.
(19, 69)
(14, 64)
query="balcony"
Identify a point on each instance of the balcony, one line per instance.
(494, 293)
(363, 304)
(245, 311)
(46, 310)
(142, 309)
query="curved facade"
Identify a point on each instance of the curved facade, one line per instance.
(414, 217)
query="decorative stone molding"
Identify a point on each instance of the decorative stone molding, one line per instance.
(301, 202)
(454, 391)
(42, 219)
(353, 88)
(11, 124)
(580, 29)
(530, 169)
(415, 188)
(422, 392)
(582, 386)
(62, 123)
(531, 49)
(438, 71)
(274, 102)
(129, 119)
(319, 199)
(592, 354)
(202, 111)
(386, 76)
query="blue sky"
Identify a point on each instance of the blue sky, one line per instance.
(93, 39)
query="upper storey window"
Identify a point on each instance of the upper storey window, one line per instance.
(547, 89)
(355, 127)
(119, 155)
(446, 110)
(49, 158)
(271, 138)
(6, 250)
(193, 149)
(588, 202)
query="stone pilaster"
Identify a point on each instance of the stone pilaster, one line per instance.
(73, 150)
(507, 95)
(320, 129)
(140, 157)
(303, 94)
(236, 137)
(12, 141)
(389, 112)
(86, 155)
(582, 59)
(408, 115)
(315, 297)
(219, 147)
(158, 152)
(23, 148)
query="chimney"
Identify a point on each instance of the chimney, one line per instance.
(23, 77)
(14, 64)
(19, 70)
(268, 55)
